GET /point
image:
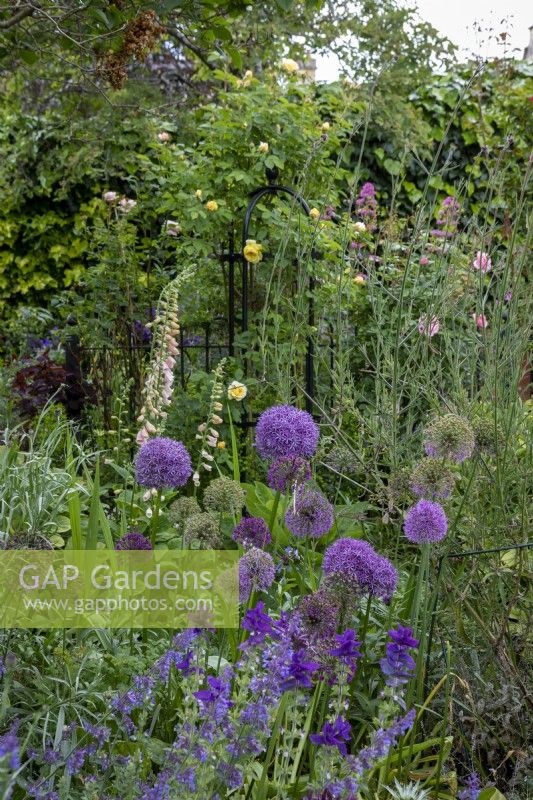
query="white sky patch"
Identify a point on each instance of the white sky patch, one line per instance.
(473, 25)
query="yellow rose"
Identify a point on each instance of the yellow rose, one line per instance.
(289, 65)
(211, 205)
(314, 213)
(359, 279)
(359, 227)
(237, 391)
(198, 193)
(221, 445)
(263, 147)
(253, 252)
(326, 126)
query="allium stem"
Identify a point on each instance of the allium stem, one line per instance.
(155, 518)
(274, 514)
(421, 598)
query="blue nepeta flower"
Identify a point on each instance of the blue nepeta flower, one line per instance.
(256, 571)
(163, 463)
(425, 522)
(10, 747)
(252, 532)
(286, 431)
(285, 474)
(310, 515)
(133, 540)
(334, 734)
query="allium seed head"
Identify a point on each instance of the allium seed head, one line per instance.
(432, 479)
(286, 473)
(449, 436)
(224, 495)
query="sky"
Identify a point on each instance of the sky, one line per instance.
(459, 20)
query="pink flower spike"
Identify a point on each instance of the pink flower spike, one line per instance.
(482, 262)
(480, 320)
(428, 327)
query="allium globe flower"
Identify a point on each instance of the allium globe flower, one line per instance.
(286, 431)
(317, 616)
(451, 437)
(432, 479)
(256, 571)
(183, 508)
(133, 540)
(490, 436)
(252, 532)
(360, 567)
(310, 515)
(163, 463)
(425, 522)
(203, 529)
(224, 495)
(285, 474)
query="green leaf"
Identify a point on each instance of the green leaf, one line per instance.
(491, 794)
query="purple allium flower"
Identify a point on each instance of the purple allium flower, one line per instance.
(256, 571)
(334, 734)
(425, 522)
(286, 431)
(398, 664)
(472, 788)
(286, 473)
(300, 671)
(163, 463)
(133, 540)
(252, 532)
(310, 515)
(317, 616)
(449, 436)
(357, 563)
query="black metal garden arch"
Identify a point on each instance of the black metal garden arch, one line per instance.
(256, 197)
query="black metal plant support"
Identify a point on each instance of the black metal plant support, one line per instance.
(271, 189)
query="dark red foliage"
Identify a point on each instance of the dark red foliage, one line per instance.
(36, 383)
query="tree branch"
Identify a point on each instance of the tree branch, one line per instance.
(183, 40)
(16, 18)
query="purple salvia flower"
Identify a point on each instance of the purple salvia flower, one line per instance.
(398, 664)
(258, 624)
(472, 788)
(334, 734)
(300, 671)
(346, 649)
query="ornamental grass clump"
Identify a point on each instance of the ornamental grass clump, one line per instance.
(310, 515)
(163, 463)
(283, 431)
(450, 437)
